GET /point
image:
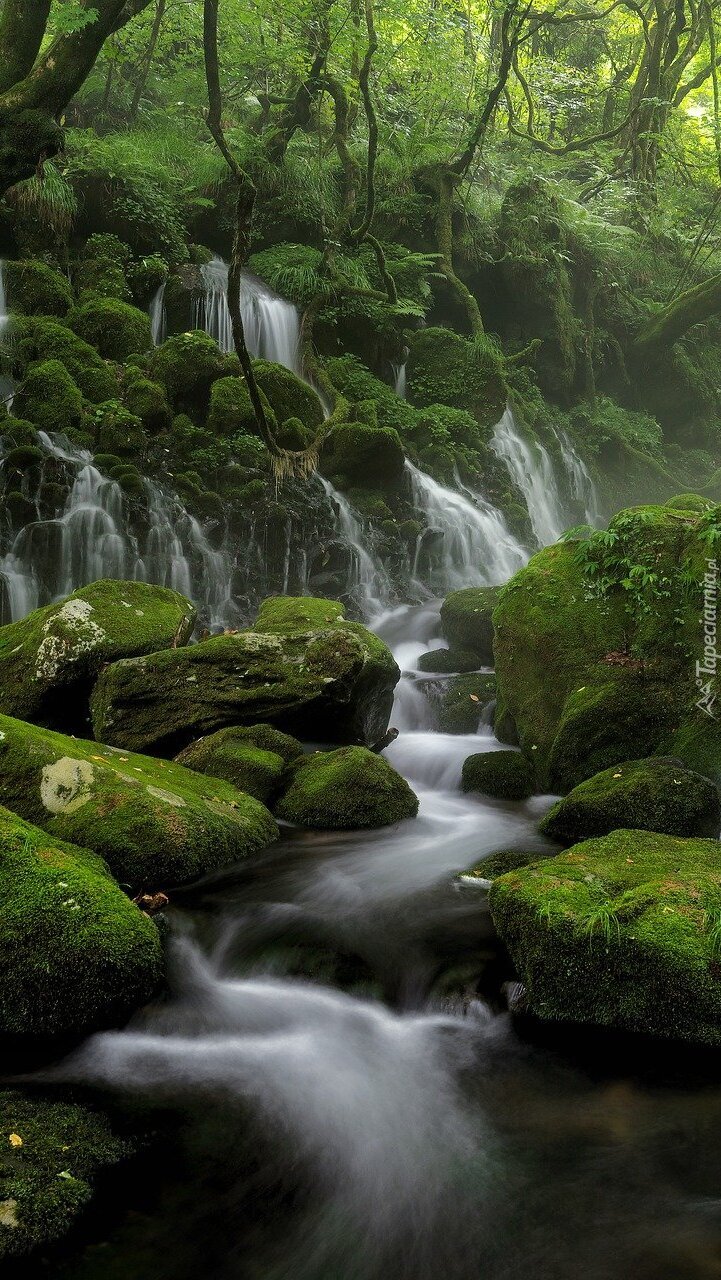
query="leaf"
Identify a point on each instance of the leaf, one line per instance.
(15, 1140)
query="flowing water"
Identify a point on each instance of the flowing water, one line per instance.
(271, 323)
(158, 316)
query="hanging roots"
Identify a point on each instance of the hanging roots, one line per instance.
(290, 464)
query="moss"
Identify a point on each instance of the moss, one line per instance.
(104, 246)
(114, 328)
(35, 289)
(117, 430)
(288, 395)
(500, 863)
(50, 398)
(100, 278)
(689, 502)
(43, 339)
(507, 775)
(604, 724)
(620, 931)
(448, 661)
(353, 453)
(294, 436)
(47, 1182)
(232, 754)
(464, 702)
(147, 401)
(19, 431)
(231, 412)
(22, 459)
(445, 368)
(49, 660)
(313, 678)
(20, 509)
(655, 794)
(347, 789)
(76, 953)
(187, 365)
(467, 621)
(156, 823)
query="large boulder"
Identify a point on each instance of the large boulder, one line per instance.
(356, 453)
(599, 647)
(348, 789)
(656, 794)
(253, 759)
(48, 1169)
(302, 667)
(155, 823)
(506, 775)
(76, 954)
(49, 661)
(467, 621)
(621, 931)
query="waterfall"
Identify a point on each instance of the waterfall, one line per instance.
(7, 386)
(368, 584)
(158, 317)
(399, 375)
(271, 323)
(531, 468)
(466, 542)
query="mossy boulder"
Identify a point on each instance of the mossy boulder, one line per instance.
(156, 823)
(187, 365)
(500, 863)
(117, 430)
(40, 339)
(50, 659)
(464, 702)
(35, 289)
(116, 329)
(656, 794)
(76, 953)
(446, 369)
(599, 646)
(288, 395)
(47, 1178)
(302, 667)
(448, 661)
(506, 775)
(253, 759)
(689, 502)
(620, 931)
(231, 411)
(467, 621)
(147, 402)
(49, 397)
(348, 789)
(355, 453)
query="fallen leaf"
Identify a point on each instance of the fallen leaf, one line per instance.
(15, 1140)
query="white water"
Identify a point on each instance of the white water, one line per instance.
(400, 380)
(531, 468)
(7, 386)
(158, 317)
(271, 323)
(367, 584)
(466, 542)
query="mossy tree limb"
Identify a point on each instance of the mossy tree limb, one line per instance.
(689, 308)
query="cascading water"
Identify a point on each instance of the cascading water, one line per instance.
(466, 542)
(271, 324)
(7, 386)
(367, 585)
(530, 466)
(158, 316)
(400, 380)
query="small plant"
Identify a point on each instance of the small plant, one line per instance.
(711, 926)
(602, 921)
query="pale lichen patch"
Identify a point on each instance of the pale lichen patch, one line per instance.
(65, 785)
(168, 796)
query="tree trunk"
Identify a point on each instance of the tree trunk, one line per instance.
(670, 324)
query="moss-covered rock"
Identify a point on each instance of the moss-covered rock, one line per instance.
(467, 621)
(288, 395)
(253, 758)
(148, 403)
(50, 659)
(40, 339)
(116, 329)
(506, 775)
(50, 398)
(689, 502)
(116, 430)
(500, 863)
(355, 453)
(464, 702)
(620, 931)
(656, 794)
(448, 661)
(447, 369)
(35, 289)
(187, 365)
(603, 724)
(347, 789)
(47, 1178)
(156, 823)
(76, 953)
(303, 667)
(231, 410)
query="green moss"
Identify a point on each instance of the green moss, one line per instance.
(689, 502)
(76, 953)
(22, 459)
(39, 339)
(500, 863)
(604, 724)
(507, 775)
(156, 823)
(232, 754)
(187, 365)
(655, 794)
(50, 659)
(467, 621)
(448, 661)
(445, 368)
(354, 453)
(35, 289)
(47, 1182)
(621, 931)
(313, 677)
(100, 278)
(114, 328)
(288, 395)
(464, 702)
(231, 411)
(49, 397)
(147, 401)
(117, 430)
(347, 789)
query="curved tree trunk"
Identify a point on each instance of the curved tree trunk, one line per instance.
(670, 324)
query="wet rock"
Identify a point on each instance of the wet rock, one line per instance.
(253, 759)
(506, 775)
(347, 789)
(467, 621)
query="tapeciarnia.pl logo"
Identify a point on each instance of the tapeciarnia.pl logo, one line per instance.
(706, 669)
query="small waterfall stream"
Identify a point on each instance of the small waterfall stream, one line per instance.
(271, 323)
(158, 315)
